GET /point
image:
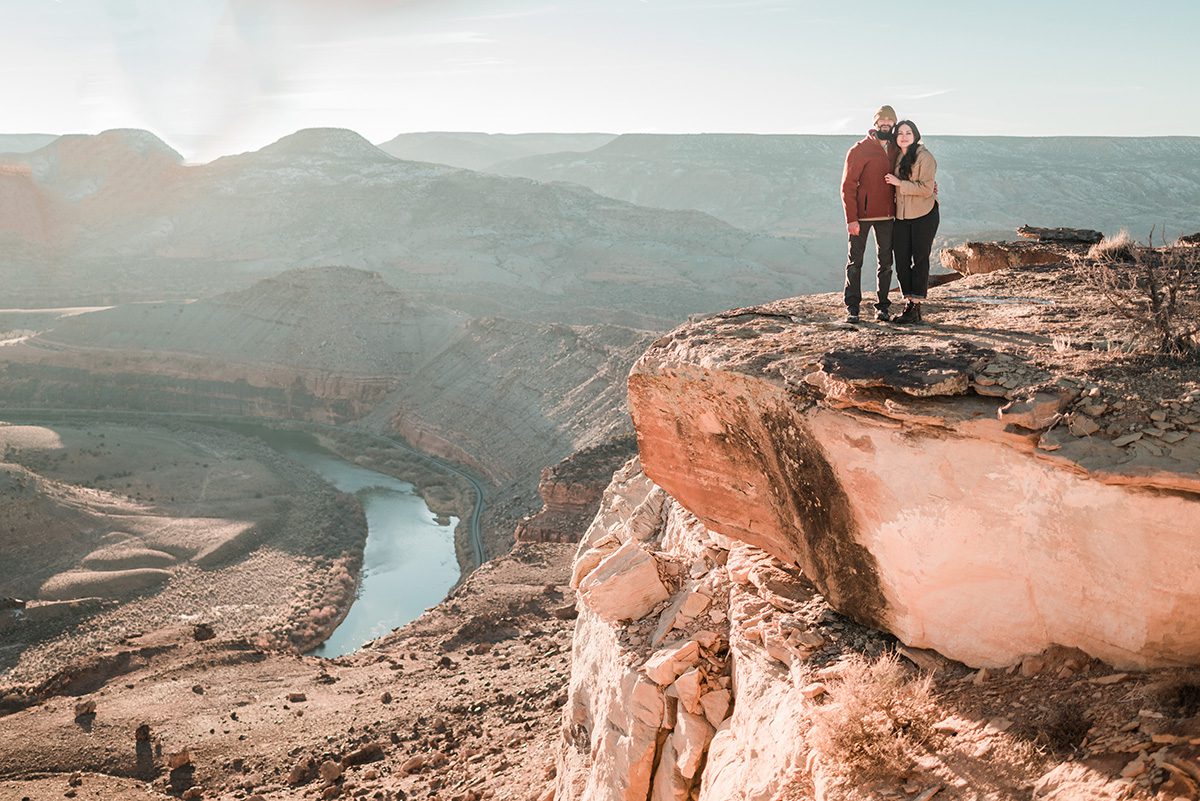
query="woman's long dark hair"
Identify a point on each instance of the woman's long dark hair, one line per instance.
(904, 171)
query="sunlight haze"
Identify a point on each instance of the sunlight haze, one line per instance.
(213, 77)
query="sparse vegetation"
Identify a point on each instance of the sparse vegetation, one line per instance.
(1117, 249)
(1065, 727)
(880, 714)
(1155, 289)
(1177, 696)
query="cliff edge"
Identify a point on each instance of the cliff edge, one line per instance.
(821, 514)
(987, 486)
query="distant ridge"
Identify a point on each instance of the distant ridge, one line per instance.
(788, 184)
(133, 140)
(480, 151)
(128, 220)
(339, 319)
(331, 143)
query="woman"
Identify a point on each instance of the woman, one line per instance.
(917, 217)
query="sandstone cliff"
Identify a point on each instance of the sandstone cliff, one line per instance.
(705, 668)
(987, 486)
(1000, 488)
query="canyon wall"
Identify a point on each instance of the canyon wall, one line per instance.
(571, 492)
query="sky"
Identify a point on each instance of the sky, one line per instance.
(213, 77)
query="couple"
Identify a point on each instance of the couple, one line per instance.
(888, 185)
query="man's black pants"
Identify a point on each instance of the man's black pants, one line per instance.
(883, 275)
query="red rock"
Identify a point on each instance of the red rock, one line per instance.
(367, 753)
(974, 258)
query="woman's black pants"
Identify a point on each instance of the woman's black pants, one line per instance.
(912, 241)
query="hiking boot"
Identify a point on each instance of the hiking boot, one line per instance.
(910, 315)
(852, 316)
(882, 316)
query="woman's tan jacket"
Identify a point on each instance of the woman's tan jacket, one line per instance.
(915, 197)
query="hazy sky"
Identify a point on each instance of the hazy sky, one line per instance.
(222, 76)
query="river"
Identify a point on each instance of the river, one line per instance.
(409, 562)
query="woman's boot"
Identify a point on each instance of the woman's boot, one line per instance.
(911, 314)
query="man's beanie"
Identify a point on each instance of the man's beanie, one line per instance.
(885, 111)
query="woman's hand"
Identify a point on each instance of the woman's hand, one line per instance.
(891, 179)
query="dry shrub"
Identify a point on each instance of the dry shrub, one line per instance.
(1064, 728)
(1118, 249)
(878, 717)
(1155, 289)
(1176, 696)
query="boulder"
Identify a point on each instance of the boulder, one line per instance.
(975, 258)
(370, 752)
(668, 663)
(690, 738)
(716, 706)
(625, 585)
(1035, 413)
(688, 688)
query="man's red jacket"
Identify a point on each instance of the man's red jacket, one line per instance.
(865, 195)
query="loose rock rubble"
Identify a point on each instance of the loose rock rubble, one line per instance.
(654, 711)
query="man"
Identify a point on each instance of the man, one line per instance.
(870, 204)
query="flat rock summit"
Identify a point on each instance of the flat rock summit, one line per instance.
(987, 486)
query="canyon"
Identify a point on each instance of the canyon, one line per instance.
(725, 624)
(991, 518)
(336, 345)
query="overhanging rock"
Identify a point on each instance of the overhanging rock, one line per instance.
(912, 502)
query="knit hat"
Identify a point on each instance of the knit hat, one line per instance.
(885, 111)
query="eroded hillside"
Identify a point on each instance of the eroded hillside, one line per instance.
(127, 220)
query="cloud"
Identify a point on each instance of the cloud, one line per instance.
(446, 38)
(915, 92)
(438, 39)
(739, 5)
(530, 12)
